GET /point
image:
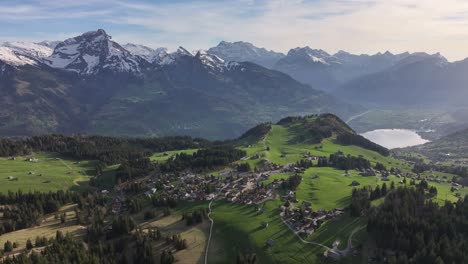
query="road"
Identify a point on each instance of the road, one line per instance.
(345, 252)
(302, 240)
(212, 223)
(211, 231)
(357, 116)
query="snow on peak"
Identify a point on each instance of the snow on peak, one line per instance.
(9, 56)
(311, 55)
(245, 51)
(210, 60)
(147, 53)
(49, 44)
(29, 49)
(91, 53)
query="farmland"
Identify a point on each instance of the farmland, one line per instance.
(50, 172)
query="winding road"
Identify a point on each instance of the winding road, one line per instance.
(357, 116)
(345, 252)
(211, 231)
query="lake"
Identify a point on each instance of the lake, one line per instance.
(395, 138)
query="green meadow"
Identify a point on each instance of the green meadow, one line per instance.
(50, 173)
(326, 188)
(163, 156)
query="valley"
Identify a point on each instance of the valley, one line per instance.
(252, 204)
(221, 151)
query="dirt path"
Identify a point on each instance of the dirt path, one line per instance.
(302, 240)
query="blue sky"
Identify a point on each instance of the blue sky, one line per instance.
(359, 26)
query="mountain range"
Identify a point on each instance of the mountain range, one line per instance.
(92, 84)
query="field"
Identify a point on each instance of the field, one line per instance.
(196, 235)
(50, 173)
(48, 228)
(278, 142)
(163, 156)
(326, 188)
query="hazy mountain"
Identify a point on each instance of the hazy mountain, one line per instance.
(327, 72)
(310, 66)
(92, 84)
(419, 79)
(245, 51)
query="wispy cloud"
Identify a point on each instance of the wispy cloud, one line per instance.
(361, 26)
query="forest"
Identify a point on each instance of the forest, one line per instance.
(409, 228)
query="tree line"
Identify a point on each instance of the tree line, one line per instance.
(418, 230)
(203, 159)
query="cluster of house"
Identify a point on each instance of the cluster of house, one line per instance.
(188, 187)
(248, 190)
(304, 221)
(368, 172)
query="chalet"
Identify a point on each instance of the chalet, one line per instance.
(270, 242)
(355, 183)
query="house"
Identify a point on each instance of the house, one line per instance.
(265, 224)
(32, 159)
(306, 204)
(355, 183)
(270, 242)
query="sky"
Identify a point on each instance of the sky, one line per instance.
(357, 26)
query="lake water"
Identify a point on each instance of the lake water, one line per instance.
(394, 138)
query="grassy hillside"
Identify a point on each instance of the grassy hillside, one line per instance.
(326, 188)
(50, 173)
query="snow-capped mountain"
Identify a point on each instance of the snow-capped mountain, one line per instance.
(147, 53)
(29, 49)
(49, 44)
(11, 57)
(93, 52)
(307, 55)
(244, 51)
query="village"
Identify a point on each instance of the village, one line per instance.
(248, 188)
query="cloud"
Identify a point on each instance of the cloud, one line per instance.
(360, 26)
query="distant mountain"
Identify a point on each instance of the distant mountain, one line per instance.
(29, 49)
(91, 84)
(202, 95)
(49, 44)
(93, 52)
(149, 54)
(244, 51)
(327, 72)
(419, 79)
(310, 66)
